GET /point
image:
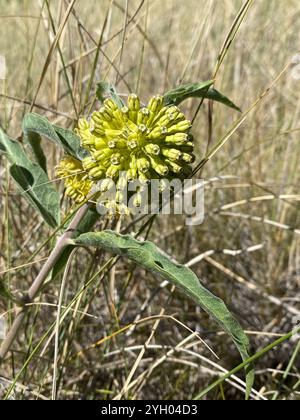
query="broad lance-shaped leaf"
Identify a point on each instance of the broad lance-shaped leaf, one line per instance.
(197, 90)
(35, 142)
(35, 125)
(150, 257)
(32, 181)
(189, 90)
(216, 96)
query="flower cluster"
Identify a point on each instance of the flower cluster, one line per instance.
(145, 143)
(77, 183)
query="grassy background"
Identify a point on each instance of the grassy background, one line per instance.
(255, 176)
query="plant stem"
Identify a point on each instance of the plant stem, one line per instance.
(38, 283)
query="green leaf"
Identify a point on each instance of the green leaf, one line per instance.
(197, 90)
(32, 181)
(216, 96)
(35, 141)
(71, 142)
(150, 257)
(36, 125)
(190, 90)
(105, 89)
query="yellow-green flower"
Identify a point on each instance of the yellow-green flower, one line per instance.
(145, 142)
(77, 183)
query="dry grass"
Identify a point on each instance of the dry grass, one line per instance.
(164, 44)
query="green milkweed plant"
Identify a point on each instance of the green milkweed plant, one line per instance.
(141, 142)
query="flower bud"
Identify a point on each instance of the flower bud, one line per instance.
(172, 154)
(134, 102)
(152, 149)
(177, 169)
(180, 127)
(105, 185)
(113, 171)
(177, 139)
(96, 173)
(143, 165)
(155, 104)
(106, 115)
(159, 167)
(110, 104)
(186, 157)
(143, 116)
(78, 186)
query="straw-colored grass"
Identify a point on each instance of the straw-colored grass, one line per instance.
(251, 202)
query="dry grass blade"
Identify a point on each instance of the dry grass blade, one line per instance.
(240, 121)
(51, 51)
